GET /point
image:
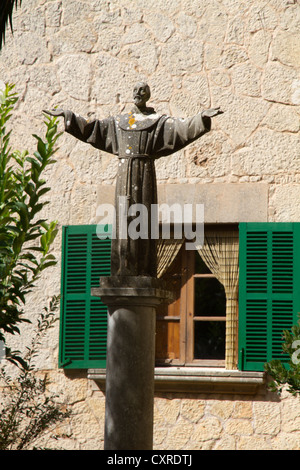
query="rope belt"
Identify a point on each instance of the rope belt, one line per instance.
(133, 156)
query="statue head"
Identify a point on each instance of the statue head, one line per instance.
(141, 94)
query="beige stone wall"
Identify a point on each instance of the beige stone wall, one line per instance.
(243, 56)
(184, 421)
(226, 423)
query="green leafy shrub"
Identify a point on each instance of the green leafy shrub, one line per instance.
(25, 239)
(287, 376)
(27, 409)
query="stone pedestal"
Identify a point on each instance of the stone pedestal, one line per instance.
(131, 303)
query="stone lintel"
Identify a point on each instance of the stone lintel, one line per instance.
(223, 202)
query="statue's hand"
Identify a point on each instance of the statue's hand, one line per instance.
(55, 112)
(212, 112)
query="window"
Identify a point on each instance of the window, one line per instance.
(206, 307)
(191, 331)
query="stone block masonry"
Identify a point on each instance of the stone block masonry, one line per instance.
(243, 56)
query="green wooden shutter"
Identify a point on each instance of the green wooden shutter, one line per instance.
(269, 290)
(83, 319)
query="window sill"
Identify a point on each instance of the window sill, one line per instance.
(196, 380)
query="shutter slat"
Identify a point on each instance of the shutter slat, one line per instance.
(256, 274)
(83, 326)
(269, 299)
(256, 327)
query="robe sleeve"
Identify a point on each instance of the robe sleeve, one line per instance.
(176, 134)
(99, 133)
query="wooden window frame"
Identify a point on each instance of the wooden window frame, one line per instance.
(186, 317)
(190, 319)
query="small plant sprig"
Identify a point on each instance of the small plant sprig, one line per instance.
(287, 376)
(27, 409)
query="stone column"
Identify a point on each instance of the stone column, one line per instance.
(130, 360)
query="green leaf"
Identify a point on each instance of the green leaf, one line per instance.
(41, 147)
(43, 191)
(51, 132)
(48, 264)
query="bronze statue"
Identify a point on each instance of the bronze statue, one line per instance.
(137, 139)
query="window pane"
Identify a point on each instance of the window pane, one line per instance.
(200, 266)
(209, 340)
(210, 298)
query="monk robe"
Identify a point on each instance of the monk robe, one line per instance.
(137, 139)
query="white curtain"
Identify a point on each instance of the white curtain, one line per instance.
(167, 251)
(220, 252)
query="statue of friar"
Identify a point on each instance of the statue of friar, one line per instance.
(137, 139)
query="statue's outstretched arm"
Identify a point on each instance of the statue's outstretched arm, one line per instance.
(100, 134)
(211, 112)
(55, 112)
